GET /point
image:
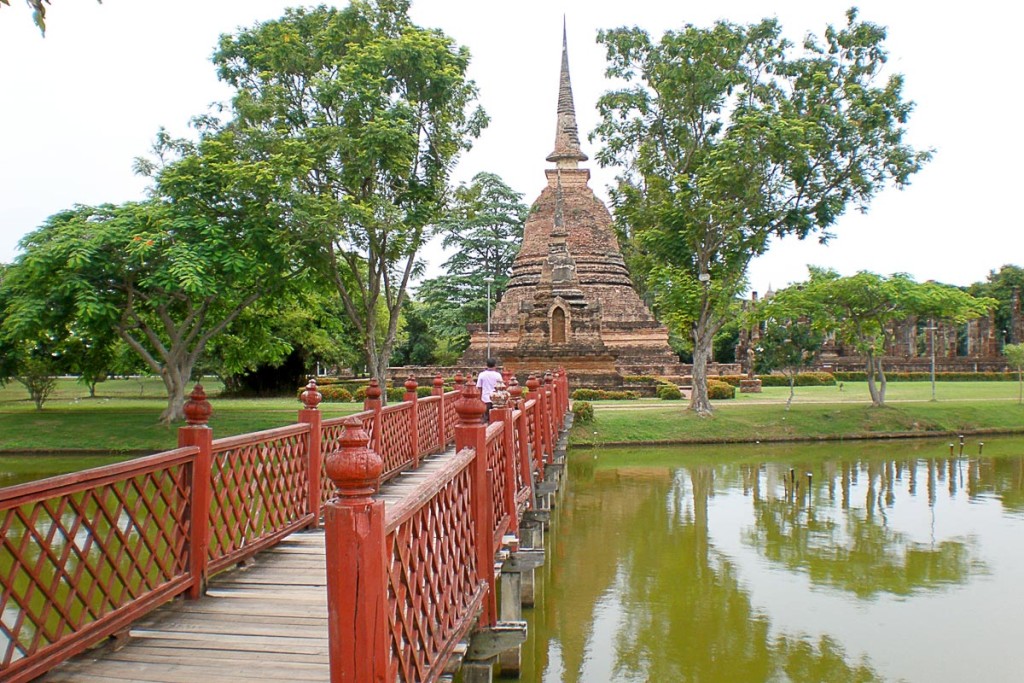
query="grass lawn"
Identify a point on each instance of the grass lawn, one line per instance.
(124, 416)
(817, 413)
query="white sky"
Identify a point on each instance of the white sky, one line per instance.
(79, 105)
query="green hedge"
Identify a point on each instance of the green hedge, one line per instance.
(640, 379)
(803, 379)
(604, 395)
(720, 390)
(861, 376)
(583, 412)
(669, 392)
(333, 393)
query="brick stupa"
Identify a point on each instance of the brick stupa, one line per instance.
(570, 301)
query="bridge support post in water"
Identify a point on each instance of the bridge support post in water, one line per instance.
(198, 433)
(312, 416)
(357, 591)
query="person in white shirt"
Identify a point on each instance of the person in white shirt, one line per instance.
(487, 381)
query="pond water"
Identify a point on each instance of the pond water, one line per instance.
(20, 468)
(882, 561)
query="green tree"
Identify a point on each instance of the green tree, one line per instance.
(484, 230)
(38, 11)
(169, 274)
(1000, 286)
(860, 311)
(1015, 357)
(380, 108)
(727, 137)
(789, 346)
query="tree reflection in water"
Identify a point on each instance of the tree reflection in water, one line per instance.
(637, 590)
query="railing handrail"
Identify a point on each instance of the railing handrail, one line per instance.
(251, 438)
(66, 484)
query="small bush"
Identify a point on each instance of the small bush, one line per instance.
(333, 393)
(669, 392)
(396, 394)
(582, 412)
(604, 395)
(720, 390)
(360, 394)
(894, 376)
(815, 379)
(640, 379)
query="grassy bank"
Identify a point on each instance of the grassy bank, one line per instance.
(824, 413)
(124, 417)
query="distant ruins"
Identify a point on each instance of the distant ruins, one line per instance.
(570, 301)
(975, 346)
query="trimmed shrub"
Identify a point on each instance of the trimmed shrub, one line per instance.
(720, 390)
(894, 376)
(669, 392)
(604, 395)
(582, 412)
(640, 379)
(333, 393)
(814, 379)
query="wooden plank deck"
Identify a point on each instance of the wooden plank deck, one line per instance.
(265, 621)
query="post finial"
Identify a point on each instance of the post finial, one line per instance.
(311, 397)
(469, 407)
(354, 468)
(197, 409)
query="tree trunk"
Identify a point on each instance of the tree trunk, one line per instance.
(874, 372)
(792, 391)
(175, 379)
(703, 337)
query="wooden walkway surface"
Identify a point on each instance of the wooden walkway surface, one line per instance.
(265, 621)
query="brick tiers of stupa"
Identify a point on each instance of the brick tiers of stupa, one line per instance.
(570, 301)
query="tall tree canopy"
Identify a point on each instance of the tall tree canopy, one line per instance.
(380, 108)
(728, 136)
(484, 230)
(168, 274)
(860, 311)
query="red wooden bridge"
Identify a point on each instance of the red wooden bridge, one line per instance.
(421, 504)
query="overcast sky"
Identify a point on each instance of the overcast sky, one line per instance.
(79, 105)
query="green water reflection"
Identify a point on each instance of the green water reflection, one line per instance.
(891, 562)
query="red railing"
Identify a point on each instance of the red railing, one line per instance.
(83, 555)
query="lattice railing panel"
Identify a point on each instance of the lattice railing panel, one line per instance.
(432, 579)
(396, 438)
(498, 462)
(451, 418)
(259, 490)
(427, 427)
(70, 558)
(518, 451)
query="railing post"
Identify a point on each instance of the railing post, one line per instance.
(311, 415)
(414, 418)
(471, 433)
(499, 403)
(549, 409)
(357, 595)
(525, 461)
(372, 402)
(438, 391)
(198, 433)
(537, 438)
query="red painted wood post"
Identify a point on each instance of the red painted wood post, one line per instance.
(357, 589)
(198, 433)
(311, 415)
(537, 437)
(411, 385)
(372, 402)
(525, 463)
(502, 412)
(549, 405)
(471, 433)
(438, 391)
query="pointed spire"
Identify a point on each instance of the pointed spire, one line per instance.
(567, 152)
